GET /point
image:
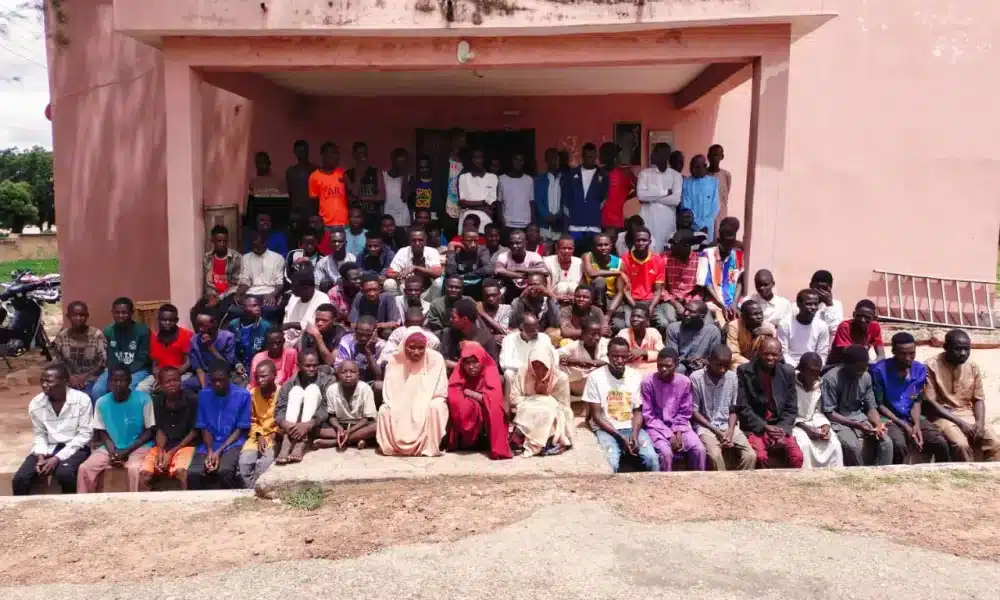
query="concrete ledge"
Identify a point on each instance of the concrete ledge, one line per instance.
(329, 468)
(176, 497)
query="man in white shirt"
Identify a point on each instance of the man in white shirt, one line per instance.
(615, 400)
(513, 266)
(301, 309)
(659, 192)
(263, 275)
(328, 267)
(565, 270)
(775, 307)
(831, 311)
(517, 195)
(415, 259)
(477, 191)
(61, 420)
(804, 332)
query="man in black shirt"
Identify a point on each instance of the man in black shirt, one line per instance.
(471, 262)
(175, 411)
(323, 336)
(464, 326)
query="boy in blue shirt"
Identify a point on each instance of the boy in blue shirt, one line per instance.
(224, 421)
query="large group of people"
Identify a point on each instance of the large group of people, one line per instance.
(362, 324)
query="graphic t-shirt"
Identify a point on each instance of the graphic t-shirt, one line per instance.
(617, 397)
(367, 189)
(332, 194)
(219, 279)
(423, 194)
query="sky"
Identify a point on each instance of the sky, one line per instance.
(22, 102)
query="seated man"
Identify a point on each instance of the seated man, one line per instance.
(277, 241)
(803, 332)
(123, 430)
(393, 236)
(81, 348)
(646, 274)
(208, 345)
(643, 341)
(170, 346)
(417, 259)
(680, 265)
(518, 345)
(538, 300)
(61, 419)
(956, 401)
(863, 330)
(249, 330)
(350, 404)
(743, 336)
(775, 307)
(579, 358)
(813, 432)
(324, 335)
(692, 338)
(469, 223)
(413, 289)
(715, 391)
(301, 309)
(533, 239)
(439, 314)
(899, 391)
(667, 407)
(175, 411)
(285, 360)
(565, 270)
(372, 302)
(347, 288)
(222, 268)
(263, 275)
(847, 398)
(376, 259)
(767, 405)
(257, 453)
(571, 317)
(363, 347)
(492, 312)
(411, 318)
(615, 399)
(464, 326)
(513, 266)
(492, 235)
(720, 272)
(224, 421)
(301, 407)
(306, 257)
(127, 344)
(602, 272)
(328, 267)
(831, 311)
(355, 236)
(470, 261)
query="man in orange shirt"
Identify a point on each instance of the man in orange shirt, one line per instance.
(326, 186)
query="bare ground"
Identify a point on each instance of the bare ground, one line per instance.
(951, 511)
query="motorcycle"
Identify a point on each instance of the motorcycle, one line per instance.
(22, 302)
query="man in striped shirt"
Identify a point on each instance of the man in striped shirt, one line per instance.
(61, 420)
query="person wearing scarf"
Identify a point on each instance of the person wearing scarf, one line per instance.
(475, 404)
(543, 418)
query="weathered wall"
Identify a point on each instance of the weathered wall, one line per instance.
(30, 247)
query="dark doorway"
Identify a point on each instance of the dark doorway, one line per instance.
(499, 144)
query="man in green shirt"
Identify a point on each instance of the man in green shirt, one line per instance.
(127, 345)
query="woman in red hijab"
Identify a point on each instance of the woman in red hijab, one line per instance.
(475, 404)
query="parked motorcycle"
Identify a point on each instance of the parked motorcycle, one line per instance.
(22, 302)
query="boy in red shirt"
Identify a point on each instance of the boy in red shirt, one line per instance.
(169, 346)
(647, 275)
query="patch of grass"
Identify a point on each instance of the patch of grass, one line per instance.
(38, 266)
(970, 476)
(308, 498)
(246, 503)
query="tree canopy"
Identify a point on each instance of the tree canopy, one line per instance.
(26, 192)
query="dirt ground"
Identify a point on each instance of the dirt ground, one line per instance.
(121, 539)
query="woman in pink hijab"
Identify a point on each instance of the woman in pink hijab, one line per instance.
(414, 412)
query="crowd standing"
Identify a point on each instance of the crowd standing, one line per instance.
(418, 310)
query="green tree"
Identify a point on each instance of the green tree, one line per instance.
(16, 207)
(33, 167)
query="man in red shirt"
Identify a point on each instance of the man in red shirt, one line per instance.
(621, 187)
(169, 347)
(862, 330)
(647, 275)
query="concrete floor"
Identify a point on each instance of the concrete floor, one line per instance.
(582, 550)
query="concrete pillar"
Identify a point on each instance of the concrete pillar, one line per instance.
(185, 224)
(766, 159)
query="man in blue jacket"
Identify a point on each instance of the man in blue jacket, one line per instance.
(584, 189)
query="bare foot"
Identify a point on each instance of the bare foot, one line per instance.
(320, 443)
(362, 445)
(297, 451)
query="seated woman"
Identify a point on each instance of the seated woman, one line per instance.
(475, 403)
(539, 398)
(644, 342)
(414, 412)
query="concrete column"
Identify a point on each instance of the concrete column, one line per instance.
(185, 224)
(766, 159)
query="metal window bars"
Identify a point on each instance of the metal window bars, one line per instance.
(982, 313)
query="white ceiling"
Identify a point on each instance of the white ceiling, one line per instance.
(655, 79)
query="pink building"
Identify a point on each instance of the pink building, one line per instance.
(861, 135)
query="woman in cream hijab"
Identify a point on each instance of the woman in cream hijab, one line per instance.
(414, 413)
(539, 399)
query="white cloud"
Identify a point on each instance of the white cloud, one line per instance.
(24, 87)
